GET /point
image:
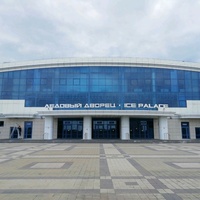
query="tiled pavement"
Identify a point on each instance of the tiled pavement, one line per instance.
(60, 171)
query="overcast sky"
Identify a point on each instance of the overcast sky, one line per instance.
(45, 29)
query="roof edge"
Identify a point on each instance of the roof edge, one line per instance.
(101, 61)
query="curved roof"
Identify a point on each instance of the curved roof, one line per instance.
(111, 61)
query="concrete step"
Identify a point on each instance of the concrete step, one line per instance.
(97, 141)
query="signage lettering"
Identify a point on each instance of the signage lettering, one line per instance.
(130, 105)
(106, 105)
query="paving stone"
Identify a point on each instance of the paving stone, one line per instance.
(61, 171)
(106, 184)
(188, 165)
(47, 165)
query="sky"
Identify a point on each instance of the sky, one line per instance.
(48, 29)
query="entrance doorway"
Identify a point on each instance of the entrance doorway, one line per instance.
(185, 130)
(70, 128)
(141, 129)
(28, 129)
(105, 128)
(14, 133)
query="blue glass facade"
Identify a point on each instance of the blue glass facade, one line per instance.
(111, 85)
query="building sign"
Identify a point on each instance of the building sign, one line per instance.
(106, 106)
(144, 105)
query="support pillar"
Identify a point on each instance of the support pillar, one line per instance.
(87, 128)
(163, 128)
(48, 128)
(125, 128)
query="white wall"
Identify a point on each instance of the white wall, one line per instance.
(163, 128)
(125, 128)
(87, 128)
(48, 128)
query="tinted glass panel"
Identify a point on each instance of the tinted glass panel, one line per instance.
(100, 85)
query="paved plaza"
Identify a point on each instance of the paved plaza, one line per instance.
(60, 171)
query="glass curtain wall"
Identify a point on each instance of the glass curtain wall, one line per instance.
(88, 85)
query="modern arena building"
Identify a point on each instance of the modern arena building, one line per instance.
(100, 98)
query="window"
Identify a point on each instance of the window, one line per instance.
(185, 130)
(76, 81)
(1, 123)
(197, 130)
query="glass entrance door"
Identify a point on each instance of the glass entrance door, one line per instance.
(70, 128)
(185, 130)
(105, 129)
(14, 133)
(28, 129)
(141, 129)
(99, 131)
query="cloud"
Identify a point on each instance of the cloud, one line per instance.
(126, 28)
